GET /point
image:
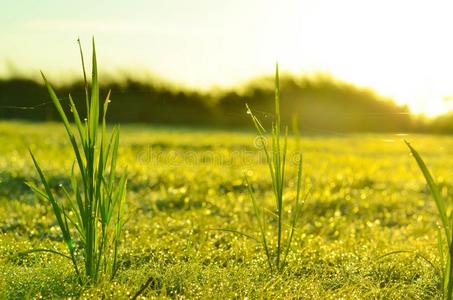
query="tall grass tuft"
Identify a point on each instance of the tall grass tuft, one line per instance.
(445, 245)
(90, 216)
(276, 251)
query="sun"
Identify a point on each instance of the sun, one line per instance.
(402, 49)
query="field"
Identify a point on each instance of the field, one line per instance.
(365, 198)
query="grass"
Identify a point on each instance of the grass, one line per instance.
(364, 201)
(276, 156)
(91, 217)
(445, 246)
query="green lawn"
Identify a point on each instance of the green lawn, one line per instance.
(366, 197)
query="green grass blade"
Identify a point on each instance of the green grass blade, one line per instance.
(94, 103)
(84, 75)
(434, 191)
(115, 139)
(281, 204)
(41, 194)
(78, 123)
(447, 227)
(297, 209)
(417, 255)
(56, 208)
(259, 127)
(78, 225)
(240, 233)
(67, 126)
(261, 131)
(260, 224)
(119, 222)
(44, 250)
(81, 209)
(277, 99)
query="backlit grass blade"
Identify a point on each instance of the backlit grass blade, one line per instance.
(63, 117)
(78, 123)
(45, 250)
(94, 104)
(447, 280)
(240, 233)
(297, 209)
(441, 247)
(84, 75)
(77, 223)
(61, 219)
(434, 191)
(263, 140)
(114, 143)
(121, 200)
(281, 205)
(55, 206)
(260, 224)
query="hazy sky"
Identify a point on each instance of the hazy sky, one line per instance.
(403, 49)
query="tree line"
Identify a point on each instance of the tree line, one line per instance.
(322, 104)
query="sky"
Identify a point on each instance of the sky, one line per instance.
(402, 49)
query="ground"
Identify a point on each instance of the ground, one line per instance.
(365, 197)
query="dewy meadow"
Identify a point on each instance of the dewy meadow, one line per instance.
(287, 188)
